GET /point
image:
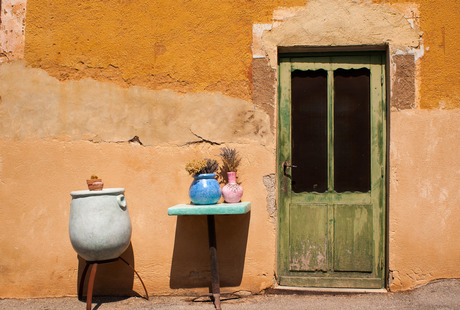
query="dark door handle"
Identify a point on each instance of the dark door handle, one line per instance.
(285, 166)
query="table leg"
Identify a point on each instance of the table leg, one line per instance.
(215, 283)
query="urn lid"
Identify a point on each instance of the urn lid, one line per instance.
(105, 191)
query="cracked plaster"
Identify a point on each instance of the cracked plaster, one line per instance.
(270, 186)
(341, 23)
(35, 104)
(12, 29)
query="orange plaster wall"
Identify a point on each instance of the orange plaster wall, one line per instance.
(424, 201)
(440, 85)
(37, 176)
(439, 75)
(180, 45)
(196, 46)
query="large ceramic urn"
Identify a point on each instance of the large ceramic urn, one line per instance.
(99, 226)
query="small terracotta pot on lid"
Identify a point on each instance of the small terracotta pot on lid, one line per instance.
(95, 184)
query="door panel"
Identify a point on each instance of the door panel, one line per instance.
(353, 238)
(308, 243)
(331, 203)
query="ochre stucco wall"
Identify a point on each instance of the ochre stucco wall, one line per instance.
(196, 46)
(37, 177)
(424, 191)
(439, 21)
(180, 45)
(94, 74)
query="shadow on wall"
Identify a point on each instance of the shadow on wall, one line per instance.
(114, 278)
(190, 266)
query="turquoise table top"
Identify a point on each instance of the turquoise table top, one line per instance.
(215, 209)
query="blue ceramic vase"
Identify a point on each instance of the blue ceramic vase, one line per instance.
(205, 190)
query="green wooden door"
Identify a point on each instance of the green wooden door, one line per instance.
(331, 214)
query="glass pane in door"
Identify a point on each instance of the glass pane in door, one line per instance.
(352, 151)
(309, 130)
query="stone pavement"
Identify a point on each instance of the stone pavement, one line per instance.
(439, 295)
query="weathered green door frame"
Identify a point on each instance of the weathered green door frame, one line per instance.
(321, 221)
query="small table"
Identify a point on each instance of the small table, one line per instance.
(210, 211)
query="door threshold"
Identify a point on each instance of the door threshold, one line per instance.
(293, 290)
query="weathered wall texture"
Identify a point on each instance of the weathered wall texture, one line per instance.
(80, 79)
(438, 76)
(180, 45)
(60, 125)
(43, 124)
(35, 104)
(341, 23)
(12, 29)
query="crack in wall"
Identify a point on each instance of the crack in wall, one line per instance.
(202, 140)
(134, 140)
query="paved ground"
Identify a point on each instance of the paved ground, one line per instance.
(439, 295)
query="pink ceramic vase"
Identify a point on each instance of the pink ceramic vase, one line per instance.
(232, 192)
